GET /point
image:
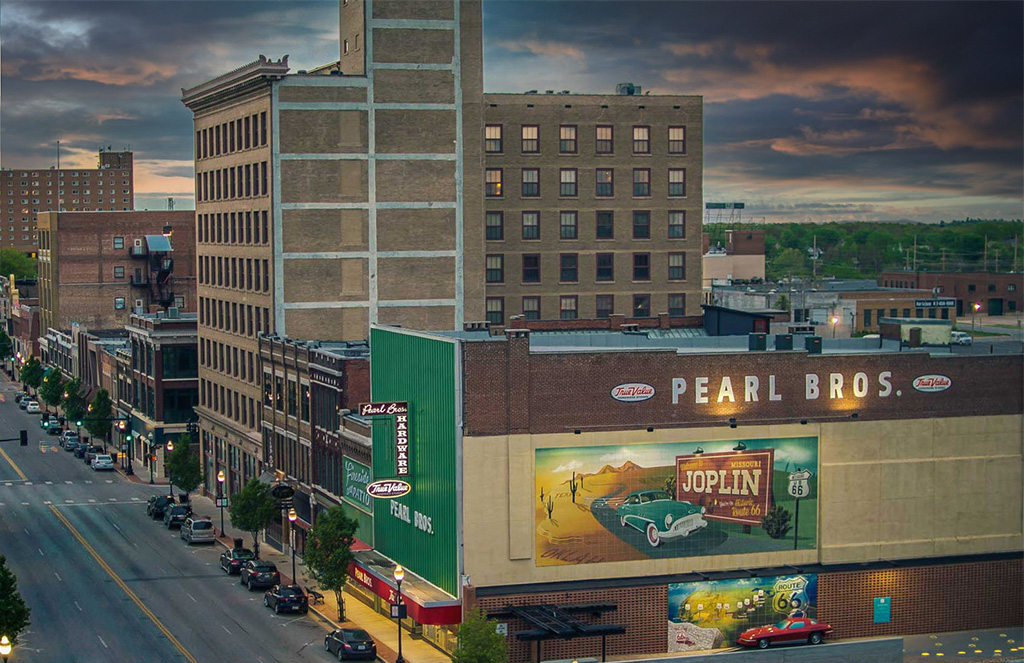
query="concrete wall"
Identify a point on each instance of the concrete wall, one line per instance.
(886, 650)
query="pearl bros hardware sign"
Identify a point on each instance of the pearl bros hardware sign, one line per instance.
(400, 411)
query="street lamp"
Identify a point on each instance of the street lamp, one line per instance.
(5, 647)
(292, 516)
(170, 479)
(834, 321)
(399, 576)
(974, 318)
(220, 497)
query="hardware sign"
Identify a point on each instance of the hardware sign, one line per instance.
(632, 392)
(400, 411)
(931, 383)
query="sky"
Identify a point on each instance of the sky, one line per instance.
(813, 111)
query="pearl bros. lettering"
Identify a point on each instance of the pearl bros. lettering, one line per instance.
(704, 391)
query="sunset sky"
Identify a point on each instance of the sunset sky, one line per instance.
(814, 111)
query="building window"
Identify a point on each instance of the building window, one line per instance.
(641, 266)
(605, 305)
(604, 183)
(991, 287)
(531, 182)
(605, 263)
(531, 268)
(676, 266)
(971, 287)
(495, 225)
(493, 186)
(677, 140)
(567, 307)
(605, 225)
(496, 310)
(893, 313)
(119, 272)
(118, 303)
(492, 138)
(676, 225)
(568, 268)
(677, 181)
(642, 182)
(567, 227)
(604, 140)
(531, 308)
(906, 313)
(496, 268)
(677, 305)
(641, 225)
(119, 242)
(931, 313)
(531, 225)
(567, 139)
(867, 317)
(945, 313)
(567, 182)
(1011, 287)
(641, 140)
(641, 306)
(531, 138)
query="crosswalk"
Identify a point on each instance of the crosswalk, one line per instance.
(11, 484)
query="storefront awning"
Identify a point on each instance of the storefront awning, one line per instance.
(426, 603)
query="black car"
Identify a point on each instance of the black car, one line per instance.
(259, 573)
(351, 643)
(91, 452)
(54, 430)
(157, 504)
(18, 396)
(23, 403)
(286, 598)
(80, 449)
(176, 515)
(232, 560)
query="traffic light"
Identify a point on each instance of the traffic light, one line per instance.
(78, 422)
(24, 437)
(128, 438)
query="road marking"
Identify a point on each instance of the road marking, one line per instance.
(69, 501)
(58, 577)
(49, 483)
(26, 530)
(47, 502)
(27, 482)
(67, 482)
(87, 481)
(123, 586)
(12, 464)
(191, 597)
(225, 629)
(136, 499)
(116, 527)
(111, 499)
(41, 553)
(8, 484)
(24, 504)
(79, 607)
(110, 481)
(92, 501)
(103, 643)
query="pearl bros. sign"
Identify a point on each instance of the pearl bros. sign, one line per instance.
(752, 389)
(400, 411)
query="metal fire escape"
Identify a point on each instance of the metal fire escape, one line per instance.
(154, 273)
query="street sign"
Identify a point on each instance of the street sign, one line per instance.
(221, 502)
(399, 611)
(934, 303)
(883, 609)
(282, 491)
(798, 486)
(501, 628)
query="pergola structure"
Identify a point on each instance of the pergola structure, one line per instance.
(551, 622)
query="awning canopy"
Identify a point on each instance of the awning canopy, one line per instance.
(158, 244)
(426, 603)
(551, 622)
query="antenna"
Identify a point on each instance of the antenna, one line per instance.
(170, 204)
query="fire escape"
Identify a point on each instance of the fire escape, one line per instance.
(153, 275)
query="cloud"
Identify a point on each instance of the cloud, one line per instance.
(548, 48)
(571, 466)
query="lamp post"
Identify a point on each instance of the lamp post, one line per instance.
(292, 516)
(220, 496)
(834, 321)
(5, 647)
(399, 576)
(974, 318)
(170, 479)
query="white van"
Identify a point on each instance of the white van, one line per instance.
(960, 338)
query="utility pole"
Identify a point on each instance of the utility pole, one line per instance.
(915, 253)
(985, 258)
(814, 259)
(943, 259)
(997, 261)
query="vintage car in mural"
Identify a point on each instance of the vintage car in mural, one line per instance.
(660, 517)
(792, 630)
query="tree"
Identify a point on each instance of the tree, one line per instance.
(32, 373)
(329, 552)
(73, 401)
(15, 262)
(184, 465)
(790, 262)
(100, 412)
(479, 642)
(252, 510)
(13, 611)
(52, 391)
(782, 303)
(6, 348)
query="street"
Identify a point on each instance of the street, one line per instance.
(107, 583)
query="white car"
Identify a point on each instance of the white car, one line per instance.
(955, 338)
(102, 462)
(32, 408)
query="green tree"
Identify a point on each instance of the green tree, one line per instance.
(13, 611)
(252, 510)
(479, 642)
(73, 401)
(98, 416)
(6, 347)
(52, 391)
(32, 373)
(184, 465)
(782, 303)
(789, 262)
(15, 262)
(329, 552)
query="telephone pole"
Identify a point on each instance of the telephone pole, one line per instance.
(814, 259)
(943, 259)
(997, 261)
(984, 262)
(915, 253)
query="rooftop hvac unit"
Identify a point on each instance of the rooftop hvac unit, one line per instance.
(757, 342)
(627, 89)
(783, 341)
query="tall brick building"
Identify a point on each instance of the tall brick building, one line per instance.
(26, 192)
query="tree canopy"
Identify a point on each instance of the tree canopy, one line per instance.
(479, 642)
(14, 614)
(6, 347)
(13, 261)
(184, 464)
(73, 401)
(329, 552)
(32, 373)
(52, 389)
(252, 510)
(99, 414)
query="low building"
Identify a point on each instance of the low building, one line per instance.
(741, 258)
(998, 293)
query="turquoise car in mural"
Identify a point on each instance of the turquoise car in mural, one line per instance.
(660, 517)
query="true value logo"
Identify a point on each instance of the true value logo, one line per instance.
(632, 392)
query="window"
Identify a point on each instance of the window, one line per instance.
(119, 242)
(893, 313)
(867, 317)
(531, 138)
(932, 313)
(991, 287)
(676, 266)
(496, 310)
(971, 287)
(567, 182)
(604, 140)
(604, 183)
(531, 268)
(531, 182)
(677, 181)
(605, 263)
(495, 225)
(531, 308)
(642, 182)
(496, 269)
(492, 139)
(1011, 287)
(641, 140)
(118, 303)
(676, 225)
(605, 305)
(677, 140)
(906, 313)
(677, 305)
(119, 272)
(641, 266)
(605, 228)
(567, 307)
(567, 139)
(293, 398)
(641, 306)
(568, 268)
(567, 227)
(531, 225)
(641, 225)
(493, 185)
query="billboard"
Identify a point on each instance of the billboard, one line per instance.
(711, 614)
(645, 501)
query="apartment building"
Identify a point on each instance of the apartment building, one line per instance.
(26, 192)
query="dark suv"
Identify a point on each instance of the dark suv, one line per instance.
(286, 598)
(259, 573)
(157, 504)
(176, 514)
(233, 560)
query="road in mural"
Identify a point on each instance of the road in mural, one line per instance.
(646, 501)
(710, 615)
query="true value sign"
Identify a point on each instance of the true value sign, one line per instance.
(400, 411)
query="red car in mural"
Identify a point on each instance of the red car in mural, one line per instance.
(790, 630)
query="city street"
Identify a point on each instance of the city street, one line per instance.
(107, 583)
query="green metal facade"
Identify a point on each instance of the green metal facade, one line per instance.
(419, 530)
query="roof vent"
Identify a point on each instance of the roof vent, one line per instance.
(627, 89)
(549, 91)
(531, 92)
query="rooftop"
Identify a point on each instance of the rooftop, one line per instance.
(829, 285)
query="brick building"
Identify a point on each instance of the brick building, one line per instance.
(741, 258)
(998, 293)
(25, 193)
(96, 268)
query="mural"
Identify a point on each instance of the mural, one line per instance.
(710, 615)
(644, 501)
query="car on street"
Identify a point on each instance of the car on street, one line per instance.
(791, 630)
(70, 443)
(286, 598)
(23, 403)
(259, 573)
(91, 453)
(660, 517)
(197, 530)
(18, 396)
(55, 430)
(32, 407)
(960, 338)
(80, 449)
(102, 462)
(350, 643)
(233, 560)
(176, 515)
(156, 505)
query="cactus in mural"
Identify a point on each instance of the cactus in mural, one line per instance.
(573, 487)
(542, 494)
(550, 506)
(776, 522)
(670, 486)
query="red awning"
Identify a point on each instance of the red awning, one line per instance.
(423, 611)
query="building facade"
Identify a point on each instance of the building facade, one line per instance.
(997, 293)
(25, 193)
(741, 258)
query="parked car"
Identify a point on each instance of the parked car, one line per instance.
(18, 396)
(197, 530)
(80, 449)
(55, 430)
(259, 573)
(23, 403)
(350, 643)
(286, 598)
(157, 504)
(176, 515)
(70, 443)
(960, 338)
(32, 407)
(660, 517)
(102, 462)
(91, 452)
(791, 630)
(233, 560)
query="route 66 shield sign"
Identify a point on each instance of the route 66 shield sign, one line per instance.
(798, 484)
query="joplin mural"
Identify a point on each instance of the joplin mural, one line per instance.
(644, 501)
(709, 615)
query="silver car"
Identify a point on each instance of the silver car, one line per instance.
(197, 530)
(102, 462)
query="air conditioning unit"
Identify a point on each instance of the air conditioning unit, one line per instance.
(139, 303)
(138, 242)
